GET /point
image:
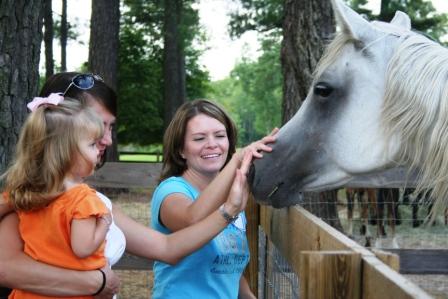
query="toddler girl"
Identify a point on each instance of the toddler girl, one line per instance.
(62, 220)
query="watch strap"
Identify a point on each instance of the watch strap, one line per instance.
(229, 218)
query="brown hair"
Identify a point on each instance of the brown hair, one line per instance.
(174, 137)
(100, 92)
(48, 143)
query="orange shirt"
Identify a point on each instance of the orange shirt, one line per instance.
(46, 232)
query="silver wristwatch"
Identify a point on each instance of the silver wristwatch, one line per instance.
(229, 218)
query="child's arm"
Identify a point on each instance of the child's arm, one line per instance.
(5, 207)
(19, 271)
(88, 234)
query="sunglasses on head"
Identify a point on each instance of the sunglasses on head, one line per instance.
(83, 81)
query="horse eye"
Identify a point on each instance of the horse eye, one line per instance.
(323, 90)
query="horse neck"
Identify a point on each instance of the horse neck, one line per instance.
(416, 110)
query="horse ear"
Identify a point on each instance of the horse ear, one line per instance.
(350, 21)
(401, 20)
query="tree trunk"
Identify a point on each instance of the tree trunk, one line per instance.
(306, 27)
(48, 38)
(173, 60)
(103, 50)
(20, 40)
(64, 34)
(386, 13)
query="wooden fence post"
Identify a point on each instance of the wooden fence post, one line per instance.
(389, 258)
(253, 220)
(330, 274)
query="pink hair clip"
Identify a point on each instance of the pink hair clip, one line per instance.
(52, 99)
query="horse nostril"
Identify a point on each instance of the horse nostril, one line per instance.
(251, 174)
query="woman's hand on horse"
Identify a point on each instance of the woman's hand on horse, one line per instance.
(262, 145)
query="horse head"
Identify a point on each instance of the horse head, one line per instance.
(351, 120)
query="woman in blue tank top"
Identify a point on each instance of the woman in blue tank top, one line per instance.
(200, 164)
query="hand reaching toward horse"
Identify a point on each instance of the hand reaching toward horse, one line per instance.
(259, 146)
(239, 192)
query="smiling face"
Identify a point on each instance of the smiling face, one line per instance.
(206, 145)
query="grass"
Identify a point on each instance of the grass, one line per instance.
(140, 158)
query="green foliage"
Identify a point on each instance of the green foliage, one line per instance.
(140, 90)
(259, 15)
(252, 94)
(197, 77)
(423, 15)
(72, 33)
(264, 15)
(140, 87)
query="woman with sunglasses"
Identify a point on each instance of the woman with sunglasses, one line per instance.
(18, 271)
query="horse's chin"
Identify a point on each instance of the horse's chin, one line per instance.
(290, 193)
(320, 185)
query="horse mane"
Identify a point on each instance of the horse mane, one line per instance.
(415, 110)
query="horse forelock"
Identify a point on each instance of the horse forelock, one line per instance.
(415, 109)
(333, 52)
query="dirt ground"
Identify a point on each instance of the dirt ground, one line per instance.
(135, 284)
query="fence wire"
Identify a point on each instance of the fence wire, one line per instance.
(276, 278)
(393, 220)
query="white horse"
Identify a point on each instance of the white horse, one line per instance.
(379, 99)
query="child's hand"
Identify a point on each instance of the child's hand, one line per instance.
(106, 218)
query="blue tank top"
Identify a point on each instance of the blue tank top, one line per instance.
(213, 271)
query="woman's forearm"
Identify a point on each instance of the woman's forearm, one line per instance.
(148, 243)
(18, 270)
(190, 239)
(26, 274)
(215, 194)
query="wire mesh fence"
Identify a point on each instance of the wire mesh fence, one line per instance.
(397, 220)
(276, 278)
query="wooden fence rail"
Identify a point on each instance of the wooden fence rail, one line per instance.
(302, 237)
(329, 264)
